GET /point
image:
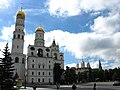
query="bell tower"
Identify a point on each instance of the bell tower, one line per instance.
(39, 37)
(18, 45)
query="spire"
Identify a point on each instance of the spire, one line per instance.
(21, 6)
(82, 64)
(53, 43)
(100, 66)
(88, 65)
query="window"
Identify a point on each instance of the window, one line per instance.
(18, 35)
(47, 54)
(40, 53)
(14, 36)
(49, 66)
(43, 66)
(32, 48)
(32, 65)
(32, 73)
(32, 53)
(49, 61)
(32, 80)
(39, 66)
(38, 73)
(16, 60)
(43, 80)
(47, 49)
(38, 79)
(43, 73)
(23, 61)
(49, 80)
(33, 60)
(22, 37)
(49, 73)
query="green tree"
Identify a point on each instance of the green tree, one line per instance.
(115, 76)
(101, 75)
(106, 75)
(7, 69)
(70, 75)
(57, 71)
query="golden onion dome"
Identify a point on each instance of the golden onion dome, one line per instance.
(39, 29)
(20, 14)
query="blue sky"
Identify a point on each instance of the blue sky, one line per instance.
(84, 29)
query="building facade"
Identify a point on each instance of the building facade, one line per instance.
(18, 45)
(39, 60)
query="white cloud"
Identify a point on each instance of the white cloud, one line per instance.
(35, 11)
(7, 33)
(29, 40)
(5, 3)
(107, 25)
(75, 7)
(63, 7)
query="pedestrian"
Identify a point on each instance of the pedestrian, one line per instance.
(34, 87)
(94, 87)
(73, 87)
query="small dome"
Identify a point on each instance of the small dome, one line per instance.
(20, 14)
(39, 29)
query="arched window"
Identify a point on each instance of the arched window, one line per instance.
(43, 80)
(16, 60)
(55, 55)
(32, 65)
(22, 37)
(49, 80)
(32, 80)
(32, 73)
(47, 54)
(14, 36)
(38, 73)
(38, 65)
(32, 48)
(47, 49)
(49, 73)
(18, 35)
(49, 66)
(23, 60)
(38, 79)
(43, 73)
(40, 53)
(32, 53)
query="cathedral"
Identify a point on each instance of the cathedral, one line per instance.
(37, 65)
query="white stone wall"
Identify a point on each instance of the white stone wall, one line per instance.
(42, 64)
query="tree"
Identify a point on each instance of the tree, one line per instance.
(57, 71)
(106, 75)
(70, 75)
(7, 69)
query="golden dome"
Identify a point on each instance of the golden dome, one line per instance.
(39, 29)
(21, 14)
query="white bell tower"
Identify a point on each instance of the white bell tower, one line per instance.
(39, 37)
(18, 45)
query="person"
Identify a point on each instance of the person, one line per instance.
(34, 87)
(94, 87)
(73, 87)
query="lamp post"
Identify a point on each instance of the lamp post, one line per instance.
(25, 81)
